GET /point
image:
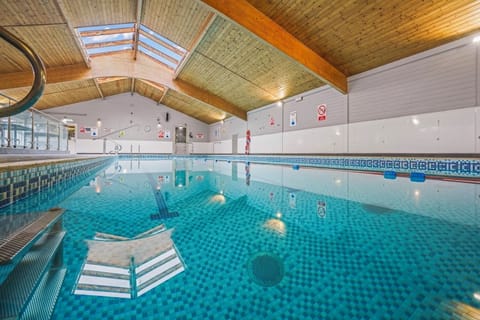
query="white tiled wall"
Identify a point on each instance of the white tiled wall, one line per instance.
(127, 146)
(316, 140)
(440, 132)
(451, 131)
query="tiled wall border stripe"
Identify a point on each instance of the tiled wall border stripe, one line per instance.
(429, 165)
(18, 181)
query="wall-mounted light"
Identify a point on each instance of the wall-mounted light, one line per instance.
(279, 103)
(66, 120)
(476, 39)
(159, 125)
(99, 122)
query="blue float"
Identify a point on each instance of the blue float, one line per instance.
(417, 177)
(295, 167)
(390, 175)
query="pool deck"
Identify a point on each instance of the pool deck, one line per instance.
(9, 158)
(14, 162)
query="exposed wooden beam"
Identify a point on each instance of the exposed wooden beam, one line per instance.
(54, 75)
(196, 41)
(122, 65)
(207, 97)
(61, 7)
(98, 88)
(244, 14)
(132, 86)
(163, 96)
(138, 22)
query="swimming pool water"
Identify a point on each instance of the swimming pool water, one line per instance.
(271, 242)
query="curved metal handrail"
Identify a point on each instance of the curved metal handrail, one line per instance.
(39, 74)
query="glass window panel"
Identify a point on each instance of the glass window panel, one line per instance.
(109, 49)
(40, 133)
(156, 57)
(53, 136)
(108, 38)
(21, 130)
(4, 132)
(63, 138)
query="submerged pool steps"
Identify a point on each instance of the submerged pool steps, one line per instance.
(157, 271)
(31, 288)
(128, 278)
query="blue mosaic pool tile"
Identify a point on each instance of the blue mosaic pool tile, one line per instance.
(33, 178)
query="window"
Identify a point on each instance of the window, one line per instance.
(107, 39)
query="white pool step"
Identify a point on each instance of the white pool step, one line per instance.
(130, 281)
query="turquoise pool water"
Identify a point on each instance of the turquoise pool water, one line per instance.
(274, 242)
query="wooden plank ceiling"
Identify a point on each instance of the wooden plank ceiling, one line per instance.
(226, 64)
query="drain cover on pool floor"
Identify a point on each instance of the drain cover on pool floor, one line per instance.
(266, 269)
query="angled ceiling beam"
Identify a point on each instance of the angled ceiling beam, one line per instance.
(98, 88)
(54, 75)
(122, 65)
(244, 14)
(61, 7)
(132, 86)
(196, 41)
(138, 21)
(163, 96)
(208, 98)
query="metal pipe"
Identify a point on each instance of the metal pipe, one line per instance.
(39, 73)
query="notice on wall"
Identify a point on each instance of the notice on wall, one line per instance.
(199, 136)
(167, 134)
(94, 132)
(293, 118)
(322, 112)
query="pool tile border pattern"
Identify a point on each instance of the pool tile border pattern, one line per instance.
(440, 166)
(19, 180)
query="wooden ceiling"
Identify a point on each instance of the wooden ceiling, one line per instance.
(236, 61)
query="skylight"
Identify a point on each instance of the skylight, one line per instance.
(107, 39)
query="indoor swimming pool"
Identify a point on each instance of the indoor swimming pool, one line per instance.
(255, 241)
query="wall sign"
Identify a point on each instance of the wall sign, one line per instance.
(293, 118)
(322, 112)
(199, 136)
(94, 132)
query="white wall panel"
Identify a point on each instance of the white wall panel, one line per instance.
(316, 140)
(307, 109)
(224, 146)
(269, 143)
(442, 81)
(121, 111)
(440, 132)
(202, 147)
(89, 146)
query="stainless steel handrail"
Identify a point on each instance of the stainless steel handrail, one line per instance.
(39, 74)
